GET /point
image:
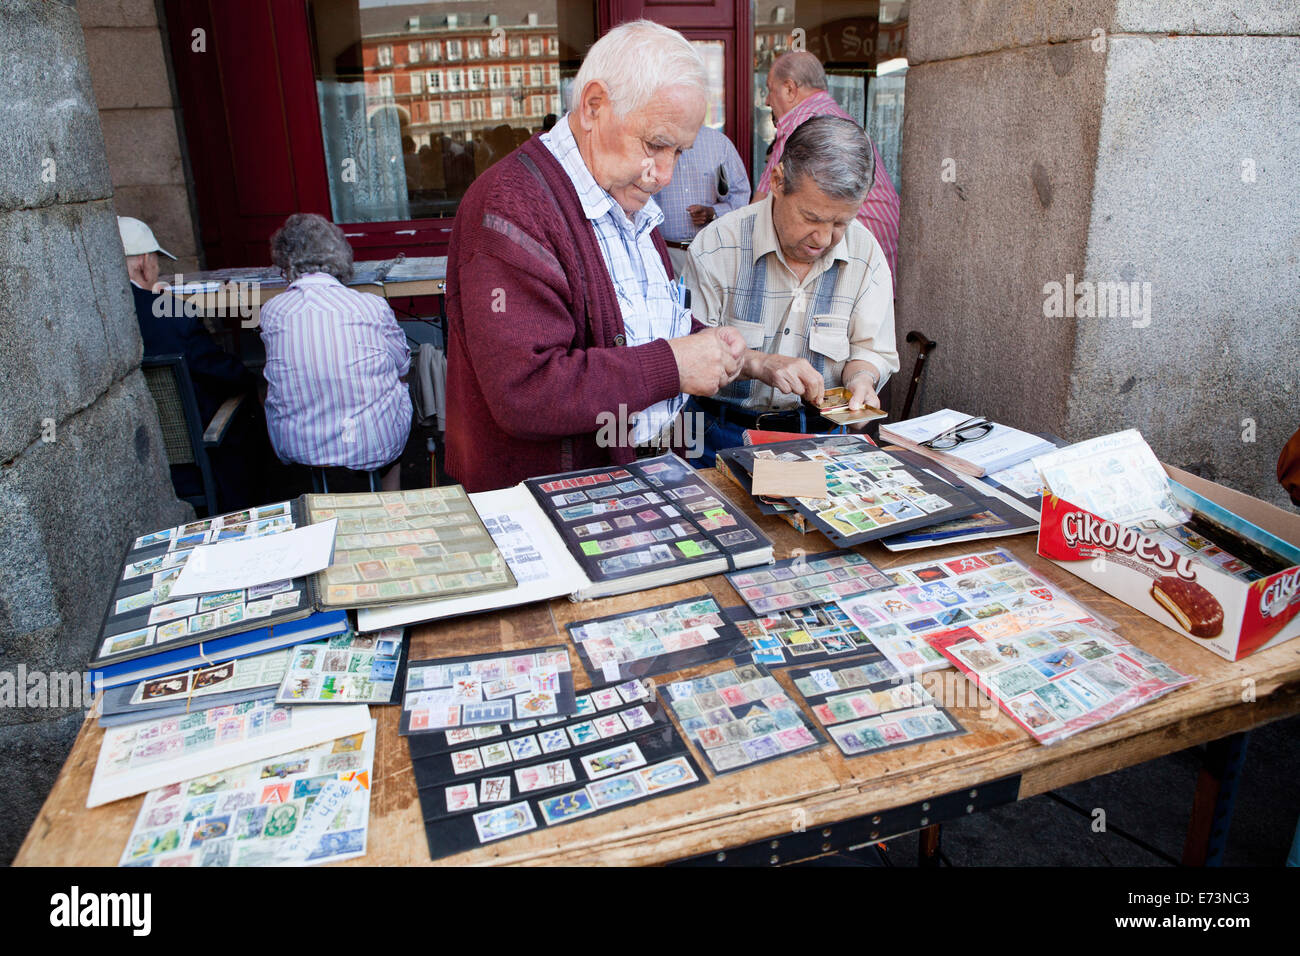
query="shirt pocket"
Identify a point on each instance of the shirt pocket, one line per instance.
(828, 335)
(754, 334)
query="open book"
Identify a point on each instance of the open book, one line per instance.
(600, 532)
(983, 450)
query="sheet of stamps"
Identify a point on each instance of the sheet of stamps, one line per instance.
(870, 493)
(864, 714)
(807, 634)
(302, 808)
(1057, 681)
(655, 640)
(989, 592)
(134, 758)
(652, 514)
(347, 668)
(493, 689)
(630, 700)
(739, 717)
(805, 580)
(395, 546)
(619, 748)
(260, 670)
(142, 614)
(1181, 539)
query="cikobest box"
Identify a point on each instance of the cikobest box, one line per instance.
(1194, 596)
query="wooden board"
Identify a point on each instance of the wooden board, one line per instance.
(760, 803)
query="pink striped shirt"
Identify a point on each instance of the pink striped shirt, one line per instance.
(333, 362)
(879, 212)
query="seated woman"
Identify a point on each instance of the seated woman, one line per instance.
(336, 363)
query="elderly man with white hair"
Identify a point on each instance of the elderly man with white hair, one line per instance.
(561, 310)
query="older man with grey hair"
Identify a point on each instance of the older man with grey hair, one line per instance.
(805, 285)
(568, 345)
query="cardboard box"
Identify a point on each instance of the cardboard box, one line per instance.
(1192, 596)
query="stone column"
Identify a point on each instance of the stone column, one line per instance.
(81, 462)
(1143, 144)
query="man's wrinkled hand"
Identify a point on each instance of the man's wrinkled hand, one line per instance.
(707, 360)
(792, 376)
(734, 342)
(862, 389)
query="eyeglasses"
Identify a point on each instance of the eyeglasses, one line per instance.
(973, 429)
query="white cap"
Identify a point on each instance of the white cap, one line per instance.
(137, 238)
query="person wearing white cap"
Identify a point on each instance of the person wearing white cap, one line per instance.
(216, 374)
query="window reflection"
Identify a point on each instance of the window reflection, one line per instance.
(417, 100)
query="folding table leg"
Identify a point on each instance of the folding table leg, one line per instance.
(928, 846)
(1216, 791)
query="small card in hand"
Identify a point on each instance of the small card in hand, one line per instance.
(834, 407)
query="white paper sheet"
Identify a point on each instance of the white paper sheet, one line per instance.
(229, 565)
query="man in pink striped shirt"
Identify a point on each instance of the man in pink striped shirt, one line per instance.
(796, 91)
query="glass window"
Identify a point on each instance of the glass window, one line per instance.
(715, 57)
(413, 157)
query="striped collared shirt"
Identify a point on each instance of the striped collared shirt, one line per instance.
(879, 212)
(843, 309)
(645, 297)
(695, 183)
(333, 360)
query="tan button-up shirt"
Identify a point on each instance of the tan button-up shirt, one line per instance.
(738, 276)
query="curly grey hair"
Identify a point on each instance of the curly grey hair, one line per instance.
(835, 153)
(310, 243)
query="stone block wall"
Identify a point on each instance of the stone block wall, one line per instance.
(82, 469)
(125, 50)
(1110, 141)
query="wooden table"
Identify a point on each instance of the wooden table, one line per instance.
(253, 287)
(805, 803)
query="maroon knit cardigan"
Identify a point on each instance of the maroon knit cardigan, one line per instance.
(534, 333)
